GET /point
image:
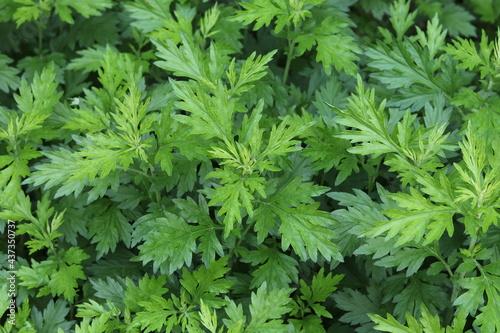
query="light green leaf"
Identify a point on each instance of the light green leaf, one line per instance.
(206, 283)
(308, 231)
(157, 313)
(421, 220)
(267, 309)
(401, 18)
(64, 281)
(263, 13)
(170, 242)
(146, 288)
(465, 51)
(86, 8)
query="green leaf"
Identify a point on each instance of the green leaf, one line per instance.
(489, 318)
(252, 69)
(75, 170)
(321, 288)
(309, 323)
(93, 309)
(371, 120)
(378, 8)
(360, 215)
(209, 243)
(335, 47)
(158, 312)
(465, 51)
(64, 281)
(275, 268)
(434, 39)
(186, 60)
(237, 193)
(428, 323)
(86, 8)
(407, 258)
(302, 226)
(85, 119)
(417, 293)
(420, 221)
(90, 59)
(488, 9)
(52, 317)
(392, 325)
(358, 306)
(401, 18)
(36, 101)
(8, 75)
(117, 74)
(165, 127)
(101, 155)
(482, 291)
(99, 325)
(407, 66)
(481, 179)
(110, 290)
(96, 31)
(263, 13)
(236, 319)
(327, 152)
(29, 11)
(267, 309)
(210, 116)
(149, 15)
(43, 228)
(108, 228)
(208, 318)
(308, 231)
(457, 20)
(74, 256)
(146, 288)
(206, 283)
(281, 139)
(169, 242)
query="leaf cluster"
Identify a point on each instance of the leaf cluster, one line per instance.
(253, 166)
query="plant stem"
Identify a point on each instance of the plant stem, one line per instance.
(231, 251)
(473, 241)
(456, 287)
(289, 58)
(39, 24)
(436, 253)
(490, 83)
(40, 37)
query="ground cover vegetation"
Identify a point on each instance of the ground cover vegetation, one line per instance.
(250, 166)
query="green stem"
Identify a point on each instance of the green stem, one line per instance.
(490, 83)
(473, 241)
(456, 288)
(231, 252)
(436, 253)
(454, 295)
(39, 25)
(40, 37)
(289, 58)
(323, 178)
(291, 47)
(140, 172)
(460, 111)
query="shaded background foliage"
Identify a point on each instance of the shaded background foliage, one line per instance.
(251, 166)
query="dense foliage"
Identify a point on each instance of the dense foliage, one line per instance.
(250, 166)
